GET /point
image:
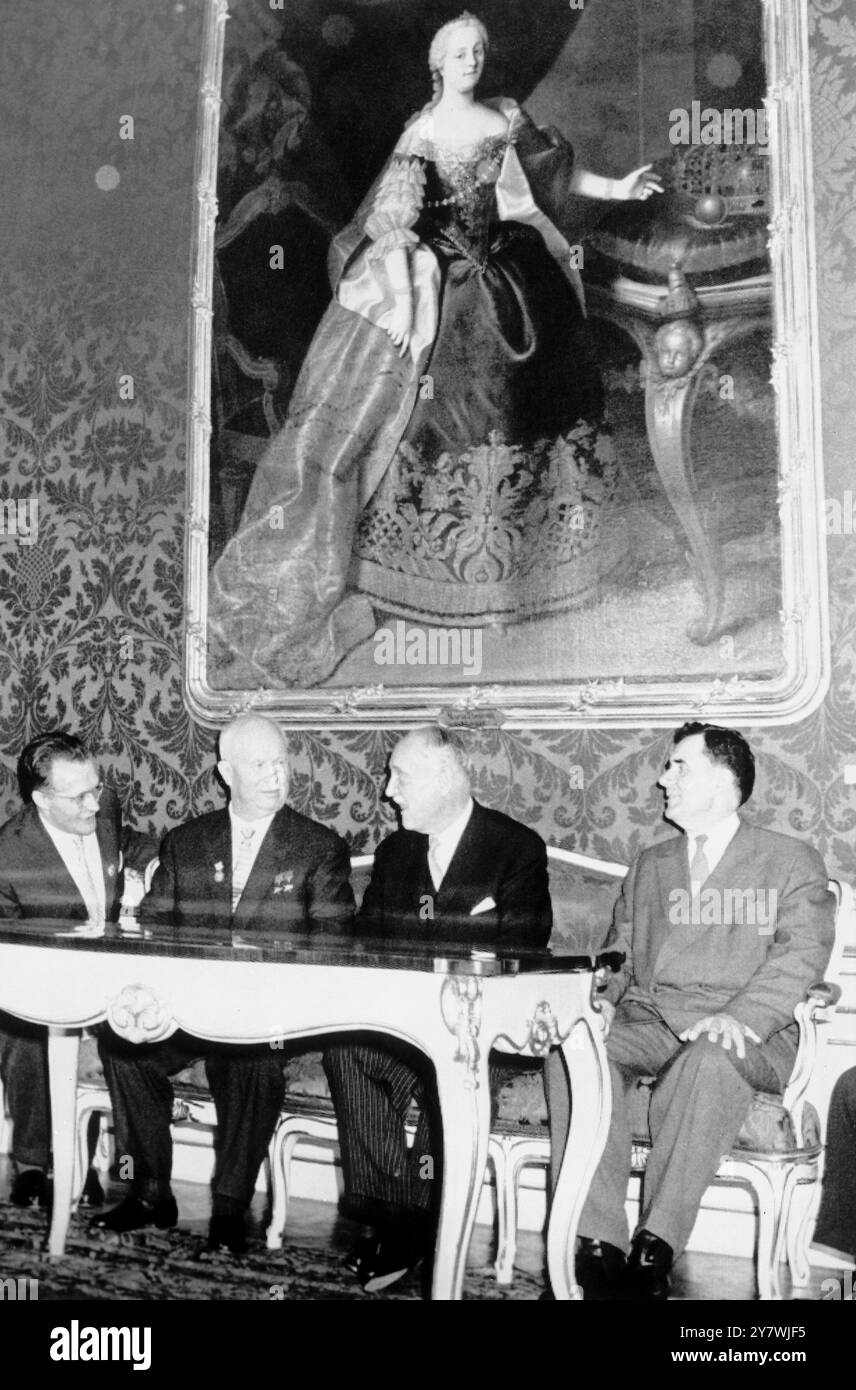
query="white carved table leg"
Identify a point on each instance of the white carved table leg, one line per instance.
(591, 1107)
(63, 1048)
(464, 1094)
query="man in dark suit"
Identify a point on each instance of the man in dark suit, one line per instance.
(723, 929)
(62, 859)
(254, 867)
(455, 872)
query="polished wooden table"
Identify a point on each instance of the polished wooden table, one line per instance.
(453, 1004)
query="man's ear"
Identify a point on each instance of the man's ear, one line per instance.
(39, 799)
(445, 778)
(728, 785)
(225, 771)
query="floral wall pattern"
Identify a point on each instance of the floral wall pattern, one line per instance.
(94, 284)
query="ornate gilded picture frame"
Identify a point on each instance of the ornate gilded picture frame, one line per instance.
(671, 560)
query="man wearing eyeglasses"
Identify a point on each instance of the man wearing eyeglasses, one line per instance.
(61, 861)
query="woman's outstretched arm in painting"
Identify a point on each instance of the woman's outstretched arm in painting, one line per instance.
(638, 185)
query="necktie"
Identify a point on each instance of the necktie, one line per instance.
(699, 867)
(242, 864)
(434, 866)
(91, 896)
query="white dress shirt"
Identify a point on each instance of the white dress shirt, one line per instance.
(247, 837)
(441, 848)
(716, 842)
(81, 855)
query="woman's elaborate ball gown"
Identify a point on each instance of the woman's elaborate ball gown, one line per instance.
(463, 484)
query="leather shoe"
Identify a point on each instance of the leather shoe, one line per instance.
(132, 1214)
(388, 1262)
(30, 1188)
(363, 1252)
(227, 1233)
(649, 1265)
(600, 1269)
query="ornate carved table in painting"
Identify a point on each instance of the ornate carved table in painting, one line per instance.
(686, 275)
(454, 1006)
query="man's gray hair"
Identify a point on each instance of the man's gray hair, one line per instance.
(448, 750)
(229, 736)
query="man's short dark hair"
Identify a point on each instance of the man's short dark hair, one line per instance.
(39, 756)
(727, 747)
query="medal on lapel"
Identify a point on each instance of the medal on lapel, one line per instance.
(284, 882)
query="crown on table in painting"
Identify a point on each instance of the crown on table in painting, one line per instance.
(723, 180)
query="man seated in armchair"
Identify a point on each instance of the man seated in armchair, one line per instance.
(723, 929)
(63, 859)
(254, 867)
(455, 871)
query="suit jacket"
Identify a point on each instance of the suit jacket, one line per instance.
(300, 881)
(756, 971)
(497, 858)
(34, 882)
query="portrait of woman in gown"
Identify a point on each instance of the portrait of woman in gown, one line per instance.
(445, 449)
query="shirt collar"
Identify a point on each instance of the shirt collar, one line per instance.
(240, 825)
(718, 837)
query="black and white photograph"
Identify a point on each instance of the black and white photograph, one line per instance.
(427, 666)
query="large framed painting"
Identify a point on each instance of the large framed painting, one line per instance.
(503, 391)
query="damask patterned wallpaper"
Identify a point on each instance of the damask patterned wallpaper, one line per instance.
(94, 287)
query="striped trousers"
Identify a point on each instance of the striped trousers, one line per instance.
(372, 1088)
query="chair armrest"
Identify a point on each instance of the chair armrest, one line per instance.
(823, 993)
(608, 960)
(809, 1013)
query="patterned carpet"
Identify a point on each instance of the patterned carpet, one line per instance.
(176, 1266)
